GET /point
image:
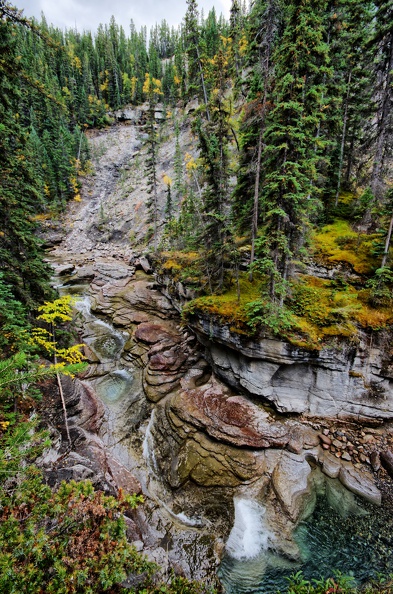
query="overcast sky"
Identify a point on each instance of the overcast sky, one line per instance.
(87, 14)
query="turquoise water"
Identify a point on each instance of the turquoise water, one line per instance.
(357, 545)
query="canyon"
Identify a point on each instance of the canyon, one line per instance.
(200, 420)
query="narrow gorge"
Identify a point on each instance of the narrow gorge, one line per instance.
(235, 443)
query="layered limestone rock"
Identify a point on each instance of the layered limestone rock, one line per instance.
(347, 382)
(152, 414)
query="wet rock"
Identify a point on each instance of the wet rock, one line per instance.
(83, 406)
(290, 484)
(84, 273)
(212, 464)
(152, 333)
(360, 483)
(375, 461)
(229, 418)
(89, 355)
(330, 465)
(123, 477)
(64, 269)
(140, 296)
(387, 461)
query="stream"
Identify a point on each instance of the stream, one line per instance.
(210, 506)
(341, 533)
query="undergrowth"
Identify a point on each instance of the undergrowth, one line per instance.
(339, 584)
(339, 243)
(317, 311)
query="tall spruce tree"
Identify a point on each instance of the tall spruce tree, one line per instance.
(383, 43)
(21, 255)
(213, 143)
(195, 75)
(291, 152)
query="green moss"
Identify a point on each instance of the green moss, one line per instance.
(338, 242)
(317, 313)
(227, 308)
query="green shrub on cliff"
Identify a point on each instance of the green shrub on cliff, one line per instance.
(70, 540)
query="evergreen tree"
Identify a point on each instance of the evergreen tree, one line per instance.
(195, 74)
(291, 153)
(21, 255)
(213, 143)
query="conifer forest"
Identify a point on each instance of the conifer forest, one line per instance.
(272, 224)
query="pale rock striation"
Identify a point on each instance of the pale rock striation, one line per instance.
(347, 382)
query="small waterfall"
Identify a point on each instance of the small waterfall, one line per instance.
(155, 487)
(103, 339)
(83, 305)
(148, 447)
(249, 535)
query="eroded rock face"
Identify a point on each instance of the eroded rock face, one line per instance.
(229, 418)
(350, 382)
(150, 414)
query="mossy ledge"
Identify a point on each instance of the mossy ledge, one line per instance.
(332, 299)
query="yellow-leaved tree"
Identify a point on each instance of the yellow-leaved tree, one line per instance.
(21, 371)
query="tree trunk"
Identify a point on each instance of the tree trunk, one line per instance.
(254, 224)
(343, 137)
(203, 84)
(383, 126)
(387, 243)
(61, 390)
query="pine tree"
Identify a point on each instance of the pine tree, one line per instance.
(261, 36)
(195, 74)
(21, 255)
(213, 143)
(291, 153)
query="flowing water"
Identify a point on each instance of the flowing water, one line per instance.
(357, 543)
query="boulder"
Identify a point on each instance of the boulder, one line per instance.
(290, 481)
(387, 461)
(360, 483)
(64, 269)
